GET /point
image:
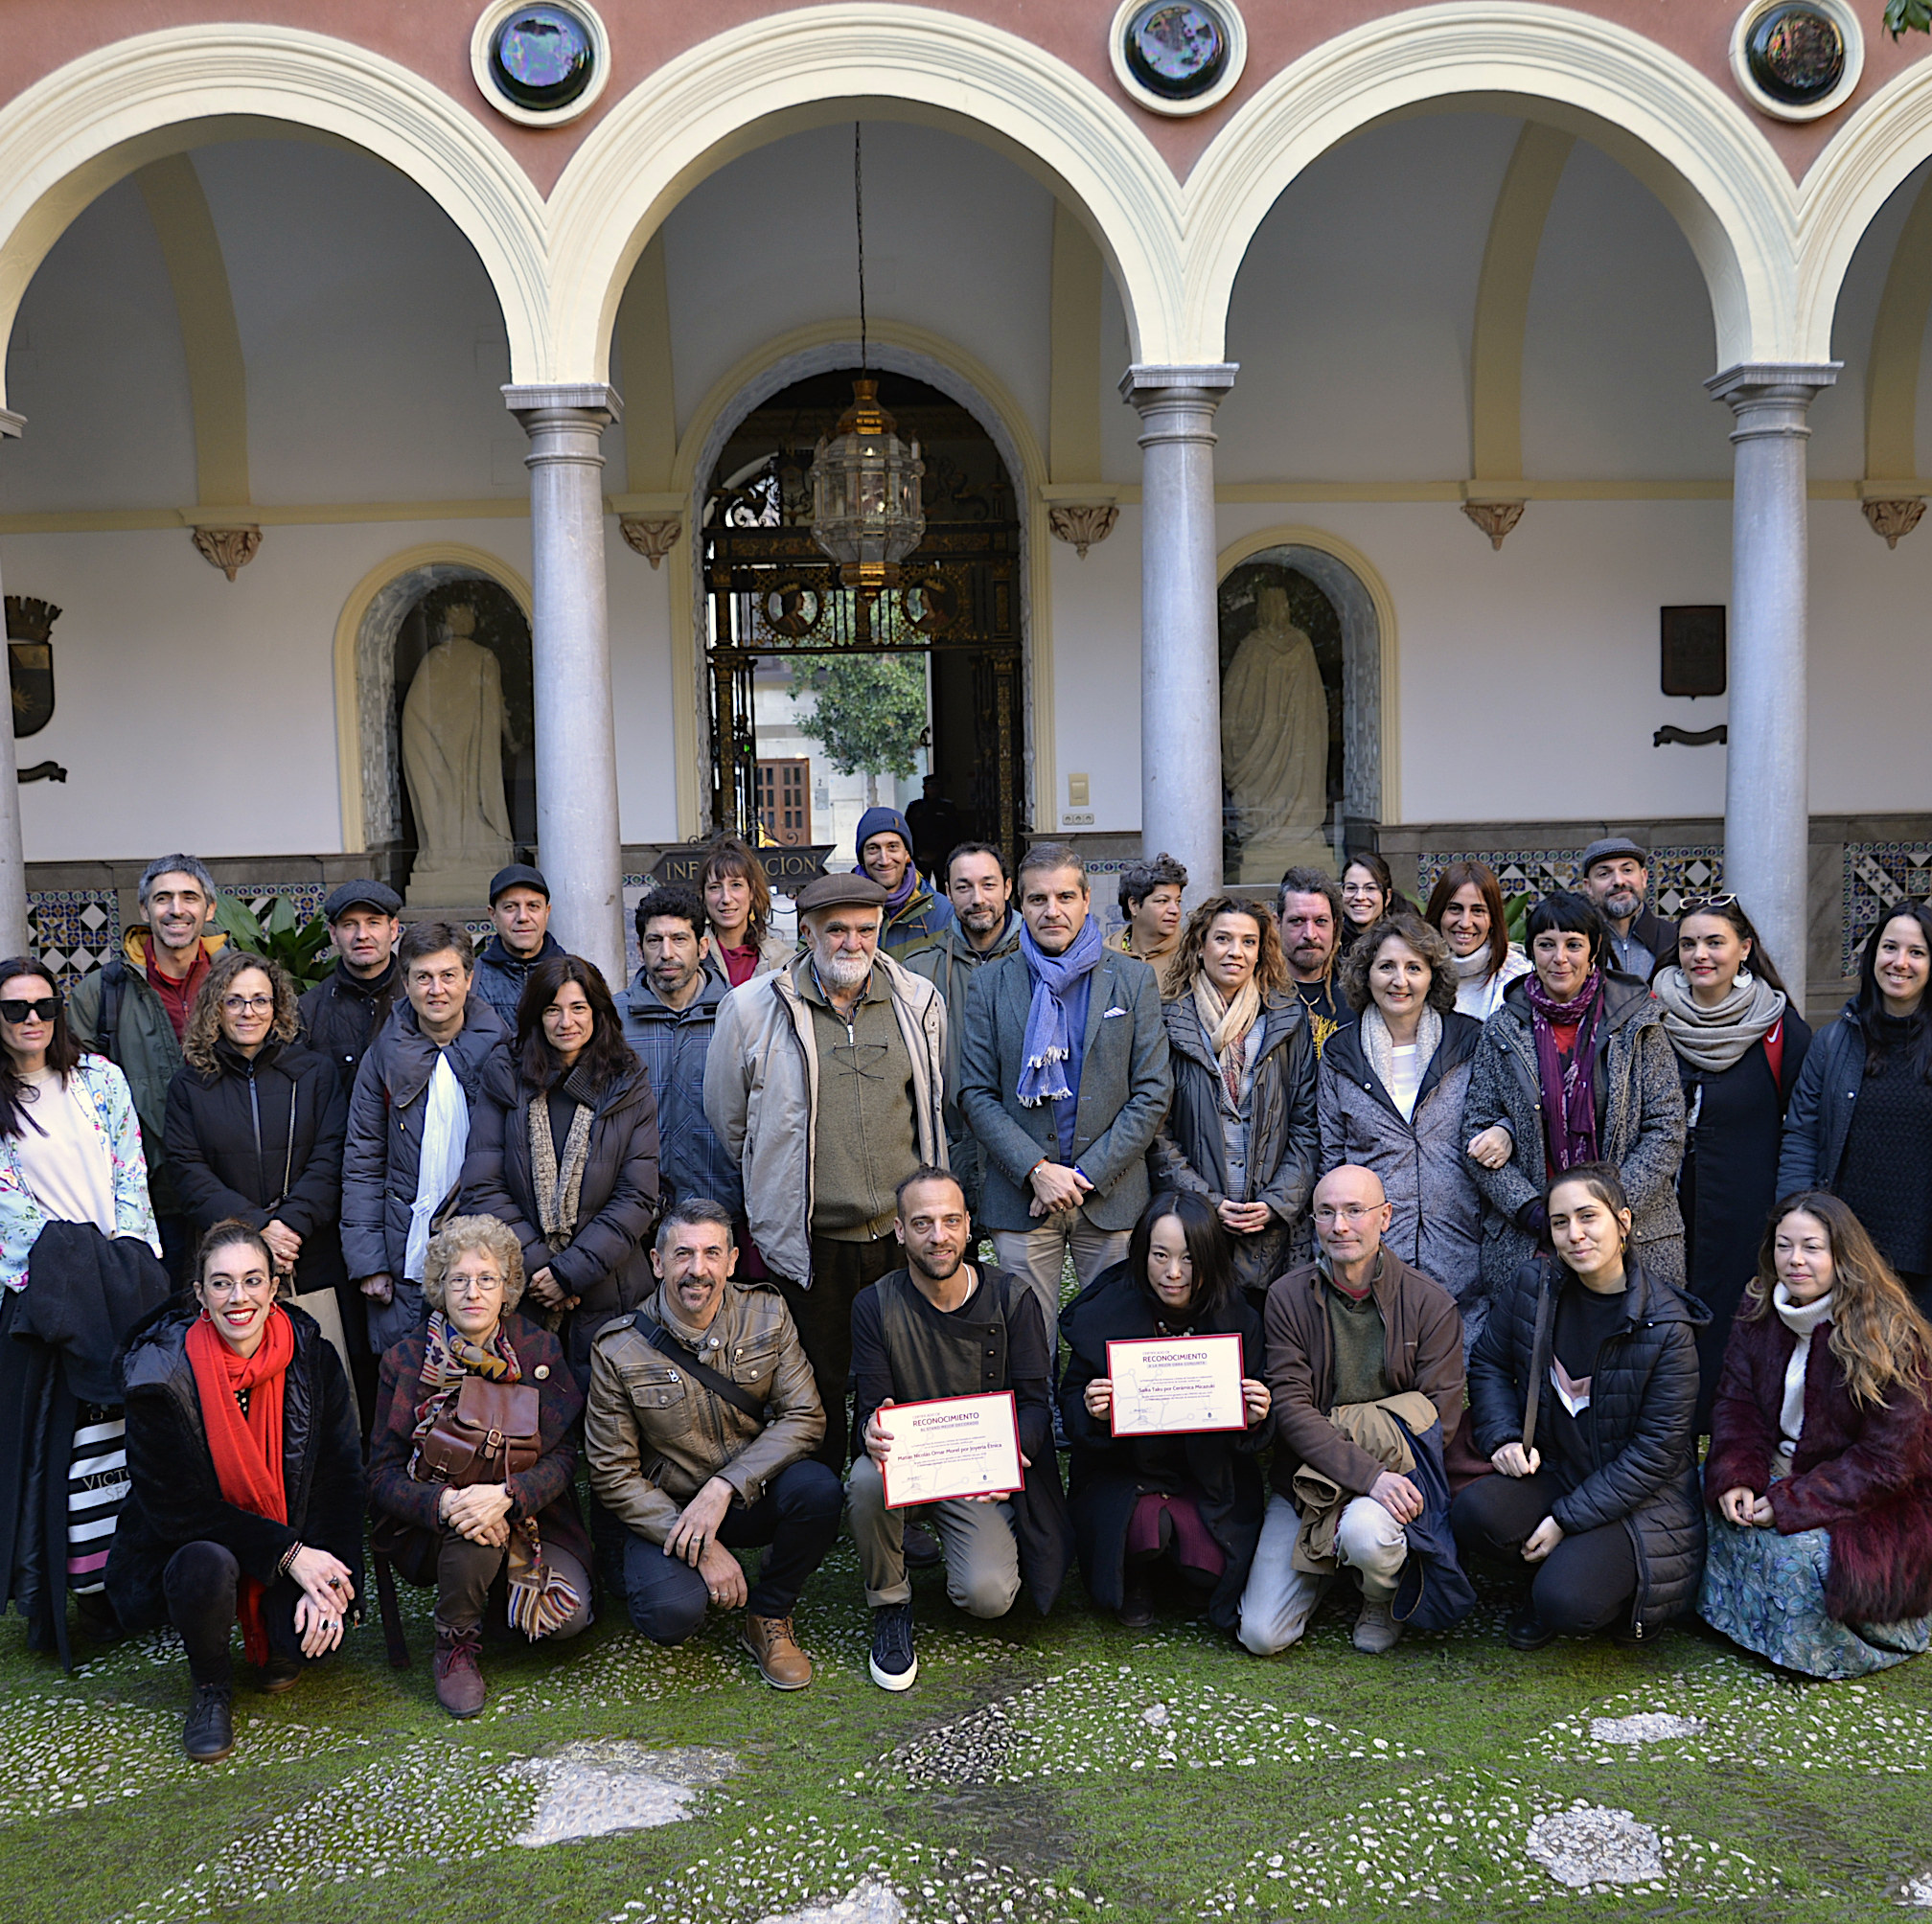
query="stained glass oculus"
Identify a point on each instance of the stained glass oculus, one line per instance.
(1178, 49)
(542, 57)
(1796, 53)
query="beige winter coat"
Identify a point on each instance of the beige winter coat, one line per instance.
(761, 1096)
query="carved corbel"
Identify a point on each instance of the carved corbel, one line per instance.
(1494, 517)
(1894, 520)
(229, 549)
(1082, 524)
(653, 537)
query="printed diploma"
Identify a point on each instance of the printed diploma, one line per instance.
(1171, 1384)
(955, 1446)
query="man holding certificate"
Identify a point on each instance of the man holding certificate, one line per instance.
(1365, 1358)
(953, 1384)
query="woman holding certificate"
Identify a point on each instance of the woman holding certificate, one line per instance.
(1164, 1406)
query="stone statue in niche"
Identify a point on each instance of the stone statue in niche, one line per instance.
(1274, 744)
(455, 728)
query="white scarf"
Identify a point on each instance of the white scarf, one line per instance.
(1379, 1047)
(1802, 1319)
(445, 1136)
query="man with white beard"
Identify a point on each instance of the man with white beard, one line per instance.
(825, 1079)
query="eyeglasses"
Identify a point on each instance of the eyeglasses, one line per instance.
(247, 1005)
(1348, 1212)
(236, 1286)
(471, 1285)
(1698, 903)
(44, 1010)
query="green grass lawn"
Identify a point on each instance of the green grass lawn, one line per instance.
(1052, 1770)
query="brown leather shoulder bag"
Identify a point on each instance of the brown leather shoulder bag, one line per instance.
(487, 1435)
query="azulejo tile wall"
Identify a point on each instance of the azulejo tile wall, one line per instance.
(1879, 875)
(1678, 874)
(73, 930)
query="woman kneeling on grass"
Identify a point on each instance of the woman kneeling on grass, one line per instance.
(246, 1469)
(1821, 1456)
(1583, 1389)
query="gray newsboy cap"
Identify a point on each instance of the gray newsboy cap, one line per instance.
(1612, 848)
(376, 895)
(839, 890)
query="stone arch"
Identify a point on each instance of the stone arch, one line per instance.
(365, 676)
(1651, 111)
(72, 135)
(770, 77)
(1371, 762)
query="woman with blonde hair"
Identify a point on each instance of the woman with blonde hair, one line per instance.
(1241, 1129)
(255, 1120)
(1820, 1470)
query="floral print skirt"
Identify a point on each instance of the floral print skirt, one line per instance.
(1767, 1593)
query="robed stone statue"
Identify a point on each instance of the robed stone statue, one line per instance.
(1274, 744)
(454, 730)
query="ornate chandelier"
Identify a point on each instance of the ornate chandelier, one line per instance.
(867, 511)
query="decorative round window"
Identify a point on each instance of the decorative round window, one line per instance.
(1177, 57)
(1798, 59)
(540, 61)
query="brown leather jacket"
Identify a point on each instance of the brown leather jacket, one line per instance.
(1422, 1349)
(653, 1437)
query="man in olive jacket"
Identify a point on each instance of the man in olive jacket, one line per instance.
(698, 1435)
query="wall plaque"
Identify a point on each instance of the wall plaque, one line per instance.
(1692, 650)
(787, 869)
(30, 662)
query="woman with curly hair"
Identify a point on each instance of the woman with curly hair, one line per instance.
(1820, 1471)
(1240, 1130)
(255, 1120)
(1389, 1098)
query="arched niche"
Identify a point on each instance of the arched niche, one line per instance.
(366, 635)
(1359, 645)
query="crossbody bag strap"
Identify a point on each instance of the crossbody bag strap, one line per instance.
(735, 1394)
(1545, 1308)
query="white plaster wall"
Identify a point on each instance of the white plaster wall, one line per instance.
(642, 694)
(1352, 312)
(95, 364)
(958, 240)
(1096, 681)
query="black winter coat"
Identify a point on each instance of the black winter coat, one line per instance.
(1818, 1123)
(343, 1014)
(1729, 1181)
(263, 1140)
(501, 977)
(1285, 1139)
(1640, 1422)
(606, 1263)
(176, 1497)
(1108, 1476)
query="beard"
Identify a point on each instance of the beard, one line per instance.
(980, 917)
(937, 1265)
(1310, 957)
(838, 970)
(1623, 903)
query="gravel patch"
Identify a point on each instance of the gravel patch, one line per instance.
(1647, 1726)
(1592, 1845)
(868, 1903)
(593, 1789)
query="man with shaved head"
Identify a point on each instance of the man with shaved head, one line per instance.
(1355, 1329)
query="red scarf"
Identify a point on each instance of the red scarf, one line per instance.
(247, 1451)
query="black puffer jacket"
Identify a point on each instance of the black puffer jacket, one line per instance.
(1640, 1422)
(343, 1014)
(263, 1140)
(1285, 1139)
(176, 1497)
(1818, 1120)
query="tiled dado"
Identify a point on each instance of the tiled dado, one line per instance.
(75, 930)
(1679, 873)
(1878, 876)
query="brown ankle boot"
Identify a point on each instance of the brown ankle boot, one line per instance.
(780, 1662)
(459, 1683)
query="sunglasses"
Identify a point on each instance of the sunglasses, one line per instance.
(13, 1010)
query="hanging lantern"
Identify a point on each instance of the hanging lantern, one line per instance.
(867, 511)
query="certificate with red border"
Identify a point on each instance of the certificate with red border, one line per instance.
(954, 1446)
(1176, 1386)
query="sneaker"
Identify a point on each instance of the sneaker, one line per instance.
(459, 1683)
(775, 1651)
(1376, 1630)
(1136, 1597)
(1527, 1630)
(280, 1674)
(894, 1664)
(210, 1733)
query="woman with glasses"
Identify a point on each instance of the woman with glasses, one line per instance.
(246, 1484)
(1739, 1046)
(1860, 1120)
(1466, 909)
(254, 1124)
(1367, 895)
(70, 1164)
(495, 1530)
(1573, 1067)
(564, 1150)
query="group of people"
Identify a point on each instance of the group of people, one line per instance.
(1501, 1235)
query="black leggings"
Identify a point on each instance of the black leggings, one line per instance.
(200, 1583)
(1582, 1585)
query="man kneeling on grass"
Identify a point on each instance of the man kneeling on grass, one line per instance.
(940, 1327)
(703, 1417)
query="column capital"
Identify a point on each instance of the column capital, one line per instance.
(528, 400)
(1748, 382)
(1209, 379)
(12, 425)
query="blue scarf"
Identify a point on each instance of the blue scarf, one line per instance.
(1043, 1076)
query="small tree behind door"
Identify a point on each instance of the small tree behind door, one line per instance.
(785, 800)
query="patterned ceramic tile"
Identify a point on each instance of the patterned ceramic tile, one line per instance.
(305, 899)
(73, 930)
(1678, 873)
(1878, 876)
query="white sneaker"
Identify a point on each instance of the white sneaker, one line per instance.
(1376, 1630)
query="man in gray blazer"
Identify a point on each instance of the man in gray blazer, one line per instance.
(1064, 1078)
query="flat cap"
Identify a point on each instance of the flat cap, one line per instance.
(1612, 848)
(376, 895)
(519, 875)
(839, 890)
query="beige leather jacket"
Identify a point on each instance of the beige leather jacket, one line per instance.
(653, 1437)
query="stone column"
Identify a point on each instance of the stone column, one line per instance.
(1180, 634)
(12, 856)
(1766, 795)
(577, 835)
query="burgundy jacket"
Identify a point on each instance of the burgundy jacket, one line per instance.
(1865, 1474)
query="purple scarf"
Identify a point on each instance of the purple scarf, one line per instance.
(1569, 1094)
(889, 821)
